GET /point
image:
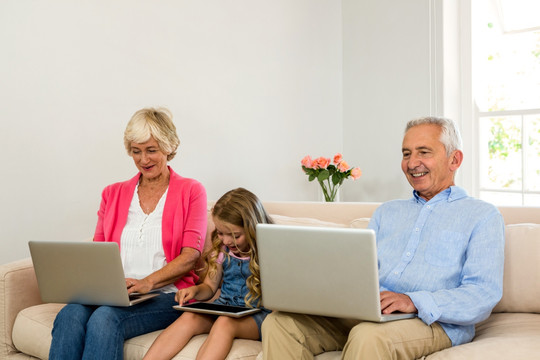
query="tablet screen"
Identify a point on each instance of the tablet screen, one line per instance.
(217, 307)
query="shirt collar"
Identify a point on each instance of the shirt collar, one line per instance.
(450, 194)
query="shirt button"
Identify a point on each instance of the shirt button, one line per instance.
(396, 273)
(408, 254)
(429, 206)
(417, 229)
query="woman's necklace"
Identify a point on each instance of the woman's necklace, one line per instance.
(150, 194)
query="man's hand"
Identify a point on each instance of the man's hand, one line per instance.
(391, 302)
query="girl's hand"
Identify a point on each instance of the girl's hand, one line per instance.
(186, 294)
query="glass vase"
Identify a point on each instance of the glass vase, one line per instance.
(326, 196)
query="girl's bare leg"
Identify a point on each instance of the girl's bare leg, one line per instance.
(176, 336)
(225, 329)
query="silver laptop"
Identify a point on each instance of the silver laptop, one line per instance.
(321, 271)
(83, 272)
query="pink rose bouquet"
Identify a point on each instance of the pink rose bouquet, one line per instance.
(330, 175)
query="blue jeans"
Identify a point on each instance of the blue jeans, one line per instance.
(98, 332)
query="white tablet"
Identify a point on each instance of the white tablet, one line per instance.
(217, 309)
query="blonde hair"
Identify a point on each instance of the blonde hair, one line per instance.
(156, 123)
(241, 207)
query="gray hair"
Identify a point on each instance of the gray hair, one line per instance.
(450, 136)
(156, 123)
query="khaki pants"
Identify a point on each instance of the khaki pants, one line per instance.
(297, 336)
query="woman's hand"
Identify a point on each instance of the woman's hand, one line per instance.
(142, 286)
(166, 275)
(186, 294)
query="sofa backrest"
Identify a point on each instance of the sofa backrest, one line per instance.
(522, 249)
(521, 288)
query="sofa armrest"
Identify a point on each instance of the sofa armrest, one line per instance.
(18, 290)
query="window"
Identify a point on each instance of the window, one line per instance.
(506, 96)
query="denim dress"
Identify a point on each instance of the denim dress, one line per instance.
(234, 288)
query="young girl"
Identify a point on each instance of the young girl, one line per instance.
(234, 259)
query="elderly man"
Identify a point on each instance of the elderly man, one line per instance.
(441, 256)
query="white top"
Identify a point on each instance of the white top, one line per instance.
(141, 247)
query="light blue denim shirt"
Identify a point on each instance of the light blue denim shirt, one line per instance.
(446, 254)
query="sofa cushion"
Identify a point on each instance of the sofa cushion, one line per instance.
(18, 290)
(502, 336)
(241, 350)
(521, 288)
(38, 321)
(287, 220)
(360, 223)
(329, 355)
(33, 326)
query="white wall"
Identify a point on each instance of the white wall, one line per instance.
(253, 85)
(388, 78)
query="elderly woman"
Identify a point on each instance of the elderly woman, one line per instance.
(158, 219)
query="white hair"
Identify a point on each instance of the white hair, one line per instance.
(450, 136)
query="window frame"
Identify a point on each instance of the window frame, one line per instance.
(458, 27)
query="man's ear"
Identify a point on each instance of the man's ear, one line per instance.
(456, 158)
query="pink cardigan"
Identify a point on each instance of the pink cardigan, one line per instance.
(184, 217)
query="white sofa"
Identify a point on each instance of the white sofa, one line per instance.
(511, 332)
